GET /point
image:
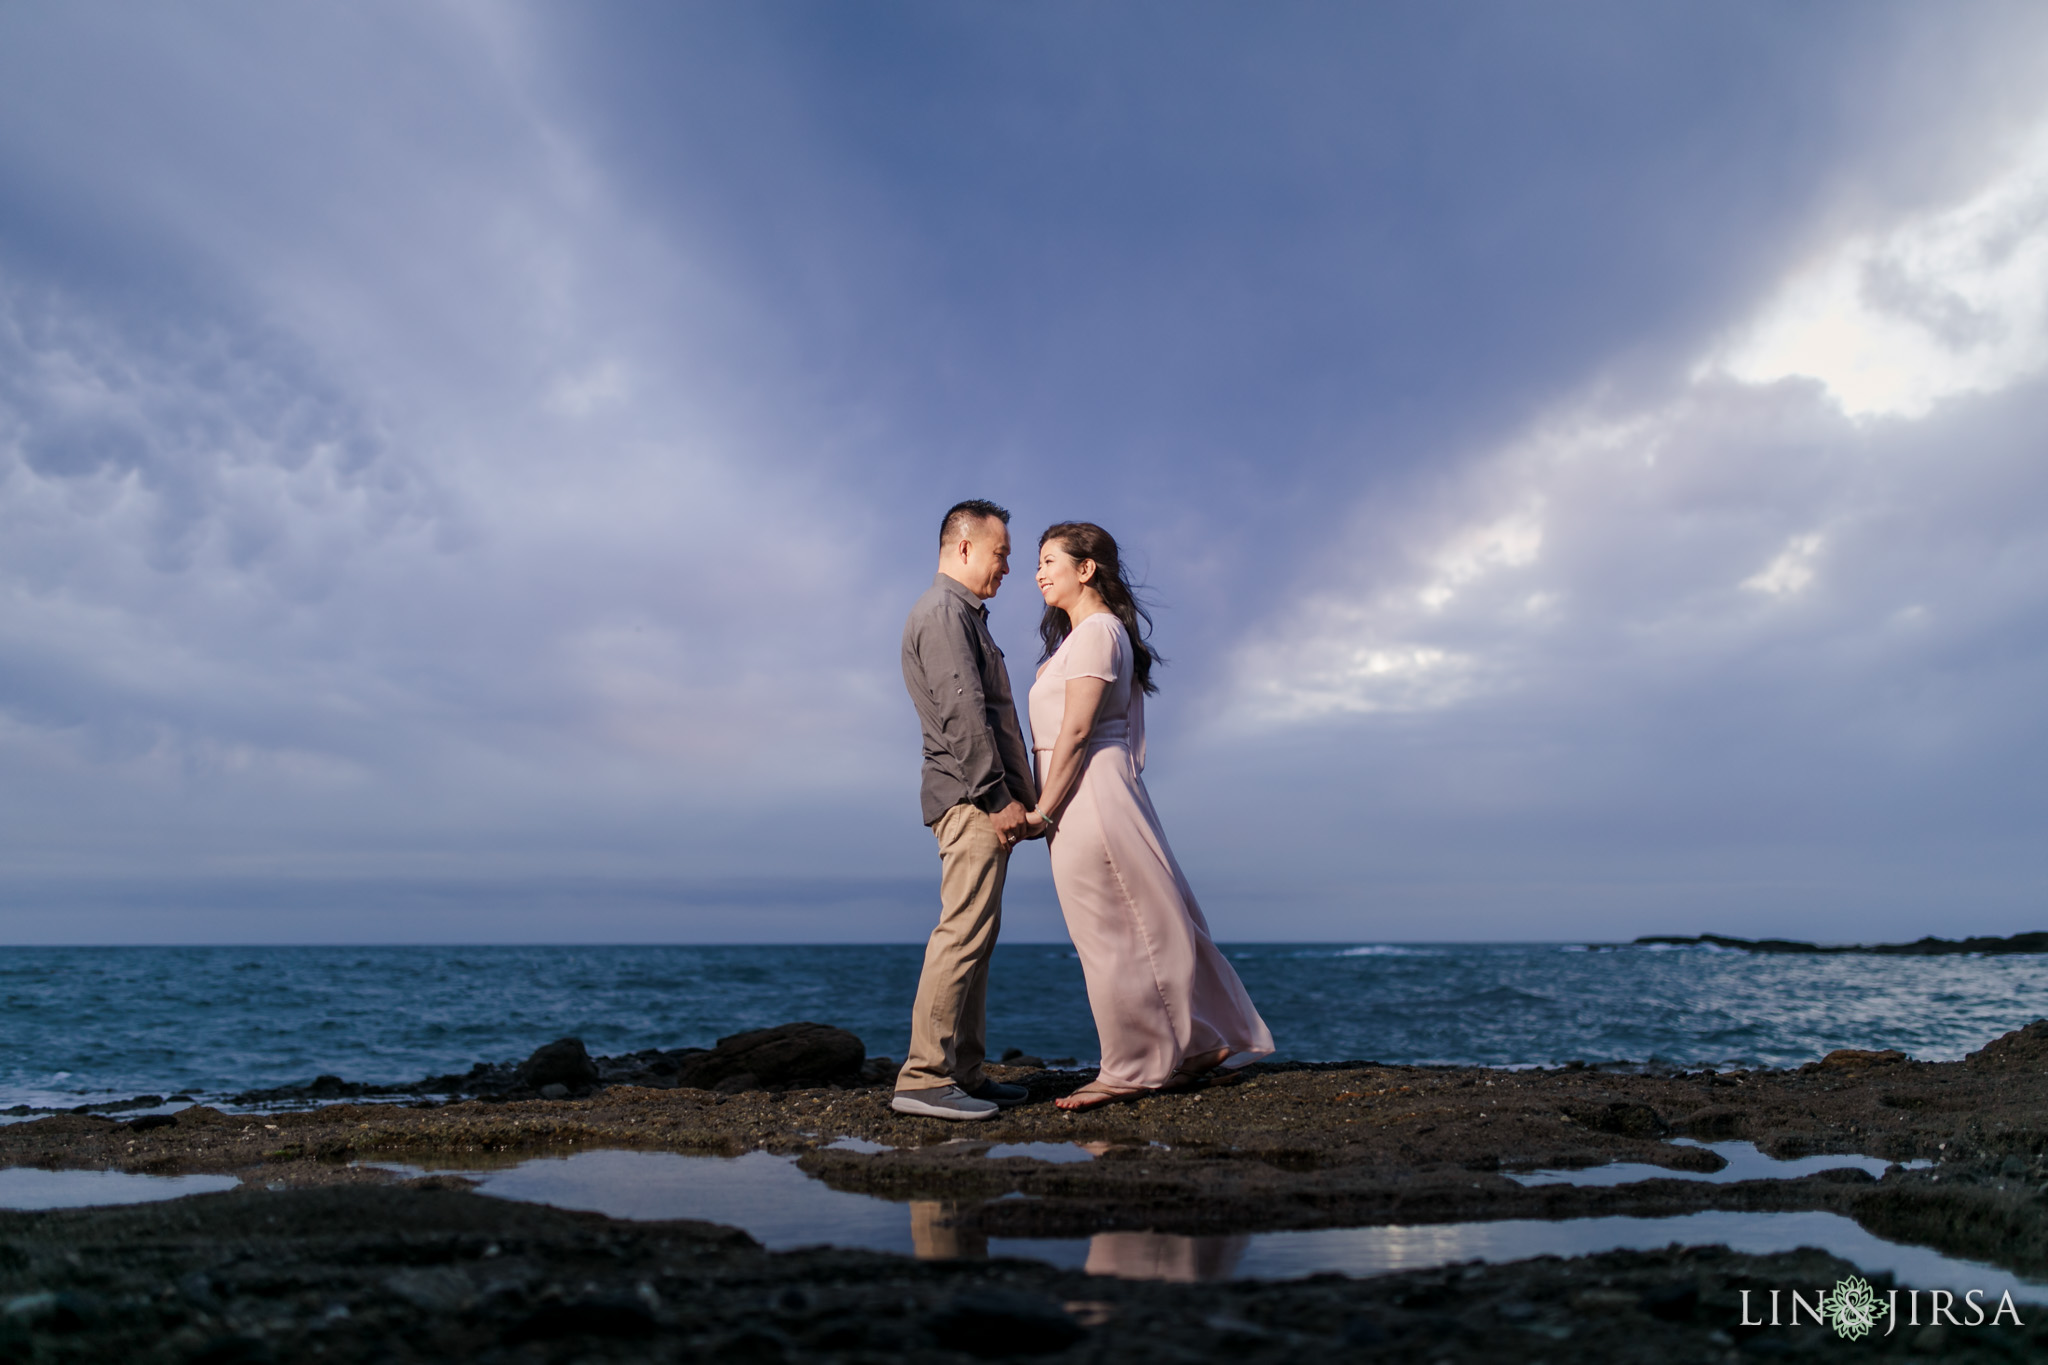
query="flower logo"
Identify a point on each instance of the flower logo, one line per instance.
(1852, 1308)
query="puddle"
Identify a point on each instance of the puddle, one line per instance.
(777, 1204)
(782, 1208)
(1376, 1251)
(861, 1145)
(24, 1187)
(1059, 1153)
(1745, 1162)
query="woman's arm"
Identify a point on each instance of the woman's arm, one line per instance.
(1069, 749)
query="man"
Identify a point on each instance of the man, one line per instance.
(977, 793)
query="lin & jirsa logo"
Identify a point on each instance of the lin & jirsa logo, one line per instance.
(1853, 1308)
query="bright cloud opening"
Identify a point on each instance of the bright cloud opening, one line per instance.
(1790, 572)
(1947, 303)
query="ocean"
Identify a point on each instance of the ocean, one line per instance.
(79, 1025)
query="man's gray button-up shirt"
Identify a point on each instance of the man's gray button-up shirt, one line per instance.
(973, 746)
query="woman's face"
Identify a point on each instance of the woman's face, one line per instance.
(1060, 578)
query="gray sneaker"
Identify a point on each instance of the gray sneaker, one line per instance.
(942, 1102)
(999, 1093)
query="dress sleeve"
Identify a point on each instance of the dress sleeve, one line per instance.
(1097, 649)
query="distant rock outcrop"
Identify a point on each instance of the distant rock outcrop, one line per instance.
(778, 1058)
(2034, 942)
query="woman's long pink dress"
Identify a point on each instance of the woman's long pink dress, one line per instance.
(1160, 988)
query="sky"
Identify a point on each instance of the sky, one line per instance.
(464, 466)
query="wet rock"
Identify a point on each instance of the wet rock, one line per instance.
(1672, 1302)
(1857, 1057)
(738, 1085)
(651, 1068)
(104, 1107)
(1714, 1121)
(50, 1312)
(1931, 1339)
(2026, 1047)
(754, 1346)
(564, 1062)
(1624, 1118)
(149, 1121)
(786, 1054)
(555, 1090)
(319, 1088)
(1786, 1146)
(439, 1289)
(1360, 1333)
(484, 1078)
(1846, 1175)
(618, 1317)
(993, 1323)
(234, 1349)
(200, 1291)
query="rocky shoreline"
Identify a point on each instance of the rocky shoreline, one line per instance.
(1929, 946)
(319, 1256)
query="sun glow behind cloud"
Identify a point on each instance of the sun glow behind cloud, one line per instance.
(1894, 321)
(1630, 526)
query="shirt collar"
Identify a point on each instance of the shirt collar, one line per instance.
(945, 580)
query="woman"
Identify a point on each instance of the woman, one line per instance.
(1167, 1005)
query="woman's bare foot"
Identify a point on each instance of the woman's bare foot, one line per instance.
(1194, 1068)
(1095, 1093)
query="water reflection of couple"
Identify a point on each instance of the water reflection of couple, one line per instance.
(1167, 1006)
(935, 1235)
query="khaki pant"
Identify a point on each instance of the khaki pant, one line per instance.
(949, 1026)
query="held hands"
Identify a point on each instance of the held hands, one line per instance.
(1014, 824)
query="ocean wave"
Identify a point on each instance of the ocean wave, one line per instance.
(188, 1022)
(1378, 950)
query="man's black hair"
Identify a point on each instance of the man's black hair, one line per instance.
(961, 515)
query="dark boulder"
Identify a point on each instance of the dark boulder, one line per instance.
(1714, 1121)
(998, 1323)
(788, 1054)
(1623, 1118)
(2022, 1048)
(613, 1316)
(564, 1062)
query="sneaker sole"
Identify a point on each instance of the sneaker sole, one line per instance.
(939, 1111)
(1007, 1104)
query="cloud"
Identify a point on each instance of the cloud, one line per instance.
(493, 446)
(1737, 614)
(1947, 302)
(396, 508)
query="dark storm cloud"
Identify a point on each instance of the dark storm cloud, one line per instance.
(444, 444)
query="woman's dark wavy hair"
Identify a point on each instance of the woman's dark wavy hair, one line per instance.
(1084, 540)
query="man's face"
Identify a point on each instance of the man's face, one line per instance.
(988, 558)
